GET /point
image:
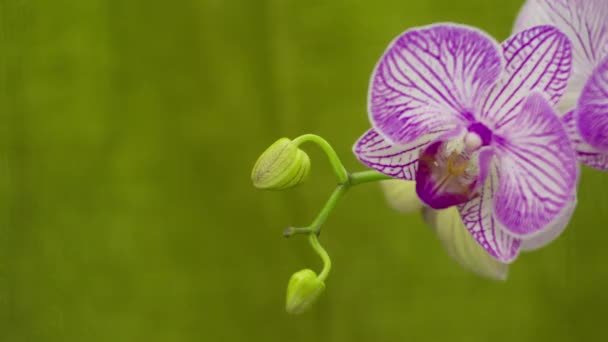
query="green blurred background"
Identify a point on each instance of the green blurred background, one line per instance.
(128, 130)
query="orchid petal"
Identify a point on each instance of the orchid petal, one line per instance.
(538, 59)
(553, 231)
(585, 153)
(584, 22)
(401, 195)
(593, 109)
(538, 169)
(430, 79)
(461, 246)
(478, 217)
(397, 161)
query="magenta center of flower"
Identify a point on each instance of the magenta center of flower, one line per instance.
(448, 170)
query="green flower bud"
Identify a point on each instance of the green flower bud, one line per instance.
(461, 246)
(302, 291)
(283, 165)
(401, 195)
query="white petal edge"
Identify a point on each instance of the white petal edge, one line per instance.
(553, 231)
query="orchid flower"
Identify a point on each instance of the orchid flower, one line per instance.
(585, 104)
(472, 122)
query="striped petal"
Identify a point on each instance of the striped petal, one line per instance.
(593, 109)
(478, 217)
(397, 161)
(538, 59)
(538, 169)
(430, 80)
(553, 231)
(584, 22)
(460, 244)
(585, 153)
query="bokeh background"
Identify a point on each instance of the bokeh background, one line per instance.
(128, 130)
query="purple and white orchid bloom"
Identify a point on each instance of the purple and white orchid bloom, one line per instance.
(472, 122)
(585, 104)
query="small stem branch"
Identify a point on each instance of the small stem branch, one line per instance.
(352, 180)
(315, 226)
(291, 231)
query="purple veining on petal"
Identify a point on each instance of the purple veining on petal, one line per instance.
(593, 109)
(398, 161)
(553, 231)
(585, 153)
(538, 59)
(477, 216)
(431, 79)
(584, 22)
(538, 169)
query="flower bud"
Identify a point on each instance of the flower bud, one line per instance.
(302, 291)
(283, 165)
(461, 245)
(401, 195)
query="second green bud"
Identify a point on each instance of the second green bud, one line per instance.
(303, 290)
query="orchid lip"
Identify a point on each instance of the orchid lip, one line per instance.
(446, 173)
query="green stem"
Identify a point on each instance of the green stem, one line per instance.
(291, 231)
(314, 242)
(366, 177)
(345, 182)
(334, 160)
(329, 207)
(353, 180)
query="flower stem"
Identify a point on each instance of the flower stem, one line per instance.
(314, 242)
(345, 181)
(352, 180)
(329, 207)
(366, 177)
(334, 160)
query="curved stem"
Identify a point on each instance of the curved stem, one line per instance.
(353, 179)
(314, 242)
(315, 226)
(334, 160)
(345, 182)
